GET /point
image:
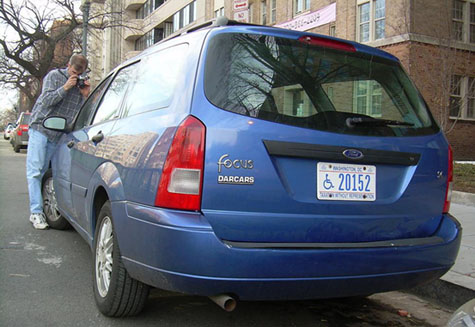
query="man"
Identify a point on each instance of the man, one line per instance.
(60, 96)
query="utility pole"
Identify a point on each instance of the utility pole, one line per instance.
(85, 6)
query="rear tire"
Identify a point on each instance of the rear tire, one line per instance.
(16, 148)
(50, 205)
(116, 293)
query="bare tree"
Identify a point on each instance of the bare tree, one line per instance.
(7, 116)
(40, 36)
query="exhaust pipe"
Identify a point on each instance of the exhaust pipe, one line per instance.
(225, 301)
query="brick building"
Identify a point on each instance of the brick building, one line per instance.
(434, 39)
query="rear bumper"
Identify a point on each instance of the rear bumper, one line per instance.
(24, 138)
(178, 251)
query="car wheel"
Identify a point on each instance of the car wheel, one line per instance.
(16, 148)
(116, 293)
(50, 205)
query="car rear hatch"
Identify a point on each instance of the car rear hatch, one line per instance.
(23, 128)
(315, 140)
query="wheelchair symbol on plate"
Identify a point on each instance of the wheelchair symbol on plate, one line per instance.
(327, 184)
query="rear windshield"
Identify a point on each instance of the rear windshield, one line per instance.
(25, 120)
(290, 82)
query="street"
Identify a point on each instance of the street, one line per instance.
(46, 280)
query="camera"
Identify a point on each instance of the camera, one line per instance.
(81, 81)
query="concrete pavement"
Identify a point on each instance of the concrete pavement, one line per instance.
(463, 272)
(457, 286)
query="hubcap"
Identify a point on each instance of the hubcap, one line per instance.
(103, 265)
(50, 206)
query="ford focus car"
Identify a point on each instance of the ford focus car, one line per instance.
(7, 133)
(255, 163)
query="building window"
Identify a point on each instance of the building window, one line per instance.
(368, 98)
(273, 11)
(139, 14)
(462, 97)
(148, 39)
(251, 12)
(147, 8)
(263, 13)
(184, 16)
(332, 31)
(457, 19)
(168, 29)
(463, 21)
(301, 6)
(371, 20)
(472, 22)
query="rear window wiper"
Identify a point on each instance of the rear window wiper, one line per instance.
(368, 121)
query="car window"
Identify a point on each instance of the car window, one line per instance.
(156, 82)
(90, 104)
(290, 82)
(25, 119)
(110, 105)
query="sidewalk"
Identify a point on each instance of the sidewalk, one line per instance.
(458, 285)
(463, 272)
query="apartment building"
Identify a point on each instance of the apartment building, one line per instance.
(434, 39)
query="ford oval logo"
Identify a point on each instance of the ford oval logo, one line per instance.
(353, 154)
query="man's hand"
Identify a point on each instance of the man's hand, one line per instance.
(71, 82)
(86, 89)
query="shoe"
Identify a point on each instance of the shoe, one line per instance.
(38, 220)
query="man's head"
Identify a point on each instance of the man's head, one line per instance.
(77, 64)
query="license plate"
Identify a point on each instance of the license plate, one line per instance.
(346, 182)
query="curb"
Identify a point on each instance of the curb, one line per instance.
(463, 198)
(444, 293)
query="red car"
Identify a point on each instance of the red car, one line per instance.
(19, 137)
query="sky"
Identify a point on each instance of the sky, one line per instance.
(8, 98)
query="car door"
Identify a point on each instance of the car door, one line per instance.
(66, 148)
(91, 143)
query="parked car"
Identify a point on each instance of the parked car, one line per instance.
(7, 132)
(255, 163)
(19, 137)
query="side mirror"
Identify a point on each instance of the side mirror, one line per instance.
(55, 123)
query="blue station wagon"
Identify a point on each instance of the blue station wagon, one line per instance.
(247, 162)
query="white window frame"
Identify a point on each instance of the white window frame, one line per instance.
(301, 6)
(465, 97)
(273, 11)
(372, 20)
(251, 12)
(371, 91)
(264, 13)
(332, 29)
(184, 16)
(466, 22)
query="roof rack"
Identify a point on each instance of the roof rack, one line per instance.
(217, 22)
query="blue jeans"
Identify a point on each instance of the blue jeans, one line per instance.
(40, 152)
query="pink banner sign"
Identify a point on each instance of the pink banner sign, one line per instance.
(314, 19)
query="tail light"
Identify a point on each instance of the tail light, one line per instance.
(327, 43)
(21, 129)
(450, 178)
(182, 176)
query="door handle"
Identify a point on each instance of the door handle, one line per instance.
(98, 137)
(70, 144)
